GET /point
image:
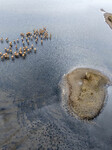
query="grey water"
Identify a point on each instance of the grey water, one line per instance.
(31, 114)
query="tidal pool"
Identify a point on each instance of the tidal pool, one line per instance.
(31, 114)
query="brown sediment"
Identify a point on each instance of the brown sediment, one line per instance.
(108, 19)
(86, 92)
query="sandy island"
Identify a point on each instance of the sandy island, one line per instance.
(108, 19)
(86, 92)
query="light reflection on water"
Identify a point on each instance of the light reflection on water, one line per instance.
(31, 116)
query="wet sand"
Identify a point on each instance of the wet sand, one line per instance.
(86, 92)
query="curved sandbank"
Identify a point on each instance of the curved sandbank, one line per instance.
(108, 19)
(85, 90)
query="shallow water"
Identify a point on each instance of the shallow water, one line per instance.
(31, 115)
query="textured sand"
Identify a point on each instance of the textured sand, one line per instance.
(87, 92)
(108, 19)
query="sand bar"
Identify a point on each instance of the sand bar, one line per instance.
(87, 90)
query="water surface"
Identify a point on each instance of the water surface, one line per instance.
(31, 115)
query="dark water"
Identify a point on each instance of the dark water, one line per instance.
(31, 115)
